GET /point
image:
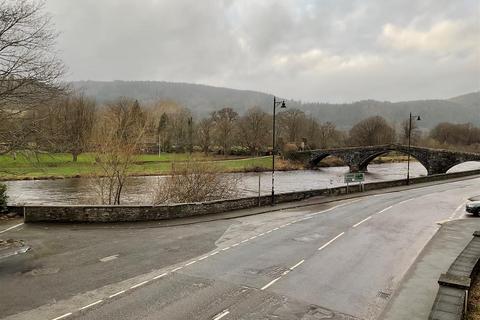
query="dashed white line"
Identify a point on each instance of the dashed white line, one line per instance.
(225, 249)
(405, 201)
(329, 242)
(456, 210)
(359, 223)
(178, 268)
(254, 237)
(190, 263)
(213, 253)
(12, 227)
(243, 241)
(161, 275)
(109, 258)
(275, 229)
(117, 294)
(91, 304)
(386, 209)
(234, 245)
(261, 234)
(268, 231)
(63, 316)
(270, 283)
(297, 264)
(202, 258)
(139, 284)
(221, 315)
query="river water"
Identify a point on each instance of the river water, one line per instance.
(140, 189)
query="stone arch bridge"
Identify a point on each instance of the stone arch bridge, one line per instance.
(357, 158)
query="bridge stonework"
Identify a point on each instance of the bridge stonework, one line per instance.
(357, 158)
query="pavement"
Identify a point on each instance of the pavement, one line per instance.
(348, 259)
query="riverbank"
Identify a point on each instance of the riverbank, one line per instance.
(60, 165)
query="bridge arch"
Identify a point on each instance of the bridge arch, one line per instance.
(316, 159)
(464, 166)
(364, 162)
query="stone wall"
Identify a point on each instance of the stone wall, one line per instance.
(96, 213)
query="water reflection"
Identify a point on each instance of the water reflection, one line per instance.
(140, 189)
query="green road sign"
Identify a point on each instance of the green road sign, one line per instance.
(354, 177)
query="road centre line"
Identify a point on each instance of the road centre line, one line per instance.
(63, 316)
(386, 209)
(221, 315)
(359, 223)
(190, 263)
(176, 269)
(160, 276)
(117, 294)
(270, 283)
(139, 284)
(299, 263)
(91, 304)
(225, 249)
(329, 242)
(12, 227)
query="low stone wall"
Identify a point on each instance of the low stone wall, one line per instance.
(450, 303)
(96, 213)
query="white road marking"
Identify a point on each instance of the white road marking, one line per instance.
(234, 245)
(91, 304)
(202, 258)
(329, 242)
(160, 276)
(405, 201)
(116, 294)
(63, 316)
(221, 315)
(139, 284)
(357, 224)
(12, 227)
(270, 283)
(109, 258)
(297, 264)
(176, 269)
(261, 234)
(254, 237)
(456, 210)
(213, 253)
(190, 263)
(268, 231)
(275, 229)
(386, 209)
(225, 249)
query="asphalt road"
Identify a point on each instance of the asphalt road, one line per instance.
(341, 260)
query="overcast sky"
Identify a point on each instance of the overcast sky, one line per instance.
(324, 50)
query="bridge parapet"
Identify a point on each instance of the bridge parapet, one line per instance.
(436, 161)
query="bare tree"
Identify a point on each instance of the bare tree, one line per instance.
(29, 69)
(225, 120)
(76, 116)
(292, 123)
(205, 133)
(255, 127)
(372, 131)
(118, 139)
(415, 134)
(194, 181)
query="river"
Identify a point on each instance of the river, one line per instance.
(140, 189)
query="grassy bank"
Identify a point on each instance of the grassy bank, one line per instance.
(474, 300)
(60, 165)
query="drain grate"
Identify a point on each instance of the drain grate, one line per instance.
(383, 295)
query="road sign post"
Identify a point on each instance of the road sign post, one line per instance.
(354, 177)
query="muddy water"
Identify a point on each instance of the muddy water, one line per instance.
(140, 189)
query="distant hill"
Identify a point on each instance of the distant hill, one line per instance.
(202, 99)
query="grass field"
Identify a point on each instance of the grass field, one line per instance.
(61, 165)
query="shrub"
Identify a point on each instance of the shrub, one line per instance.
(194, 181)
(3, 197)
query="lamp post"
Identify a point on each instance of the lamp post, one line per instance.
(409, 143)
(282, 105)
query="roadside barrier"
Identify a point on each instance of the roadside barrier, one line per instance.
(452, 296)
(130, 213)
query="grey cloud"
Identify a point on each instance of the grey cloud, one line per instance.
(331, 50)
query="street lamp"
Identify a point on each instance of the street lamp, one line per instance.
(409, 143)
(282, 105)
